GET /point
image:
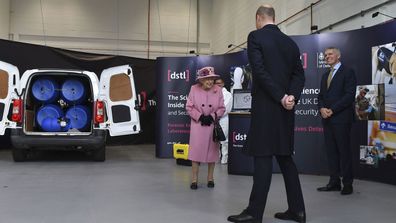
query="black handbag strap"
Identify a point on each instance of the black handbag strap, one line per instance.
(216, 121)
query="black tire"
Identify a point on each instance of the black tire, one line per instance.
(99, 155)
(19, 155)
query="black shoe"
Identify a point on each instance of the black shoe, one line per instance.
(211, 184)
(347, 189)
(288, 215)
(194, 186)
(243, 217)
(330, 187)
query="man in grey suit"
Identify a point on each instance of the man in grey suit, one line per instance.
(278, 80)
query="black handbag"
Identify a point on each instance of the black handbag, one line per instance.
(218, 134)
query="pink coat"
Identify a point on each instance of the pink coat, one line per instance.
(202, 148)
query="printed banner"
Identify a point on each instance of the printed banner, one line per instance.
(175, 77)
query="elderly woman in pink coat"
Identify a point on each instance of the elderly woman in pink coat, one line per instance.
(204, 104)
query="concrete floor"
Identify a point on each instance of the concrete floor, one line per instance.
(134, 186)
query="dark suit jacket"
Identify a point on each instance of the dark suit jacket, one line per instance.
(339, 97)
(277, 70)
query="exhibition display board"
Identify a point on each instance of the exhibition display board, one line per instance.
(239, 162)
(364, 50)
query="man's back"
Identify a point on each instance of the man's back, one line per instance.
(277, 70)
(280, 57)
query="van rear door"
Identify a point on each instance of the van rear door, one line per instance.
(117, 90)
(9, 83)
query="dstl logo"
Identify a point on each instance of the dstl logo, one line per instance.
(184, 75)
(238, 137)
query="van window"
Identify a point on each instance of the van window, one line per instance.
(3, 84)
(120, 87)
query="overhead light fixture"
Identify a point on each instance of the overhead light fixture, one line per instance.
(235, 46)
(375, 14)
(193, 52)
(314, 27)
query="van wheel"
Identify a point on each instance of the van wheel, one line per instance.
(99, 155)
(19, 155)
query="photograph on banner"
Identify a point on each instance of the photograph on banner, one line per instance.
(382, 135)
(390, 103)
(370, 155)
(383, 63)
(370, 102)
(241, 77)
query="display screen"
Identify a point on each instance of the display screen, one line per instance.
(242, 100)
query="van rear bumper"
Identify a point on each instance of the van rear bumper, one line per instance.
(20, 140)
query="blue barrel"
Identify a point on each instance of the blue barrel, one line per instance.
(51, 125)
(48, 111)
(45, 90)
(79, 117)
(73, 91)
(55, 125)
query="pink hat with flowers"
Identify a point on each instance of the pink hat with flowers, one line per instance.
(206, 72)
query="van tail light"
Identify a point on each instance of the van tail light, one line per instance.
(17, 110)
(99, 112)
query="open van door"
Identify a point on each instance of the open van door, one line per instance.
(9, 86)
(117, 90)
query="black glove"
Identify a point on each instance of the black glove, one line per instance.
(202, 119)
(210, 119)
(207, 120)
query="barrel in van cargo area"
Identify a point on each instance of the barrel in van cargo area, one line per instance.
(49, 111)
(79, 117)
(73, 91)
(45, 90)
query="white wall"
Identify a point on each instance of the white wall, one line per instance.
(113, 26)
(234, 19)
(121, 26)
(4, 19)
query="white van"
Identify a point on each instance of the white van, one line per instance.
(111, 101)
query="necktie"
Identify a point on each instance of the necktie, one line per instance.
(330, 77)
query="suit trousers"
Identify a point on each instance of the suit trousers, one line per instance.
(262, 180)
(339, 153)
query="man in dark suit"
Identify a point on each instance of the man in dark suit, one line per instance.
(335, 102)
(278, 80)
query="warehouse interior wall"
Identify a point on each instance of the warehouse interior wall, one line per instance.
(235, 18)
(117, 27)
(153, 28)
(4, 19)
